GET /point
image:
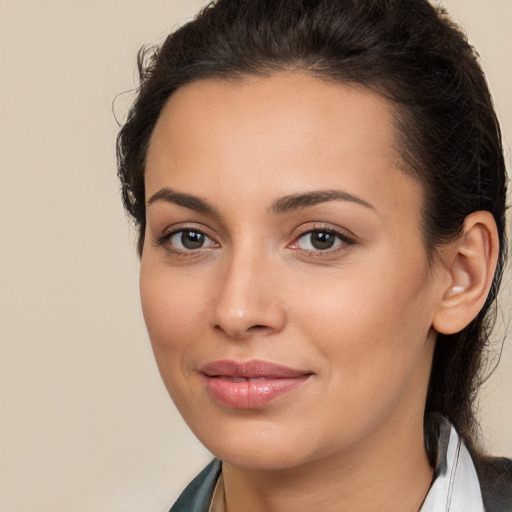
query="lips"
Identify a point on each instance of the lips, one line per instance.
(251, 384)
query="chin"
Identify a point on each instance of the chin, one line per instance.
(256, 446)
(262, 458)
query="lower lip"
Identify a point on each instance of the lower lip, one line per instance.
(250, 394)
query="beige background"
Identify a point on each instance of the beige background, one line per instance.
(85, 424)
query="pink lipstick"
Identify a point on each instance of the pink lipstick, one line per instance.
(251, 384)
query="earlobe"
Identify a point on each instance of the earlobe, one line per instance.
(470, 262)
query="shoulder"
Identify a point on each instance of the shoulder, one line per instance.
(495, 475)
(198, 494)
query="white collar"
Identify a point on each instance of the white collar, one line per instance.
(456, 487)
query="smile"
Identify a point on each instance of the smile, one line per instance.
(251, 384)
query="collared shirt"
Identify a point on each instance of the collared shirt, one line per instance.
(455, 486)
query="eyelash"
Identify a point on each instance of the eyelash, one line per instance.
(163, 240)
(343, 241)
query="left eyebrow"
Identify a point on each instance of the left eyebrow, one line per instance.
(186, 200)
(296, 201)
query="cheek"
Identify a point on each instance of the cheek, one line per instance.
(172, 315)
(371, 321)
(373, 342)
(170, 311)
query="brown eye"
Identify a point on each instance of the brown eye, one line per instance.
(189, 240)
(192, 239)
(322, 240)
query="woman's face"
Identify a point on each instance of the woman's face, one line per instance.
(284, 279)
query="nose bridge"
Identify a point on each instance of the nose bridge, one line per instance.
(247, 294)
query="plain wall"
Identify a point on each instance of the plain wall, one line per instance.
(85, 423)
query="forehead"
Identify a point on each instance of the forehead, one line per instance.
(288, 132)
(311, 109)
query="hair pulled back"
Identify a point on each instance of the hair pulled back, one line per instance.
(405, 50)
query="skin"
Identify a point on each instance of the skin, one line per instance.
(358, 316)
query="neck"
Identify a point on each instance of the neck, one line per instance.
(385, 476)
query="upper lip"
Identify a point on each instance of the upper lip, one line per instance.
(250, 370)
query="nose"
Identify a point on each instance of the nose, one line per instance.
(247, 301)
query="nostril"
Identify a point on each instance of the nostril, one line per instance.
(239, 332)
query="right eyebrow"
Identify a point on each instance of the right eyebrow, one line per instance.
(186, 200)
(307, 199)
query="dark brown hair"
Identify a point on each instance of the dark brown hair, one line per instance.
(405, 50)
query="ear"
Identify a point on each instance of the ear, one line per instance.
(470, 262)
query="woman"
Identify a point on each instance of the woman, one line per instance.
(319, 189)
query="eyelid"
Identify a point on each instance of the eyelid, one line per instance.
(170, 231)
(306, 228)
(345, 236)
